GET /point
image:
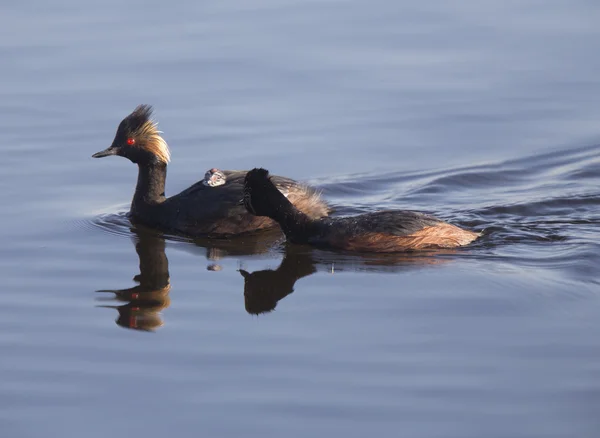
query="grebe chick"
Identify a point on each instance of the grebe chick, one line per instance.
(202, 209)
(383, 231)
(214, 178)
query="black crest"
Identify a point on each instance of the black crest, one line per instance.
(257, 176)
(261, 196)
(255, 181)
(137, 119)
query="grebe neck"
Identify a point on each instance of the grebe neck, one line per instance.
(295, 225)
(150, 188)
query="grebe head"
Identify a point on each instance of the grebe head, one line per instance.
(261, 197)
(138, 139)
(214, 177)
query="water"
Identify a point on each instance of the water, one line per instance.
(482, 112)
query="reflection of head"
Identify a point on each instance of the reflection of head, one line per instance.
(139, 320)
(142, 311)
(145, 301)
(263, 289)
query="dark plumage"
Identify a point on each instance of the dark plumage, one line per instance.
(384, 231)
(200, 210)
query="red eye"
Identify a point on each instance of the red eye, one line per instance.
(131, 141)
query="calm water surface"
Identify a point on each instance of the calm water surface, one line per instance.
(482, 112)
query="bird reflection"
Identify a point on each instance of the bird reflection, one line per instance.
(144, 302)
(263, 289)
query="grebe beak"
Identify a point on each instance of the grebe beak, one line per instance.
(106, 152)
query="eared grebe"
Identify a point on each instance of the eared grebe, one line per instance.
(204, 209)
(384, 231)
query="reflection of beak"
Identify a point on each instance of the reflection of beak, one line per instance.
(106, 152)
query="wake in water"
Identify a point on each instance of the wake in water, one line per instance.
(541, 209)
(537, 213)
(544, 192)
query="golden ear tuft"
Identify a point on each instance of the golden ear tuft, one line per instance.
(155, 143)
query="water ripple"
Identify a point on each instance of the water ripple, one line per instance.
(529, 210)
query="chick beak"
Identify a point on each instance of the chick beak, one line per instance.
(106, 152)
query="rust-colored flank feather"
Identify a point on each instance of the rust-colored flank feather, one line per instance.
(443, 235)
(308, 201)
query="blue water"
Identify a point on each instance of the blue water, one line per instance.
(484, 113)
